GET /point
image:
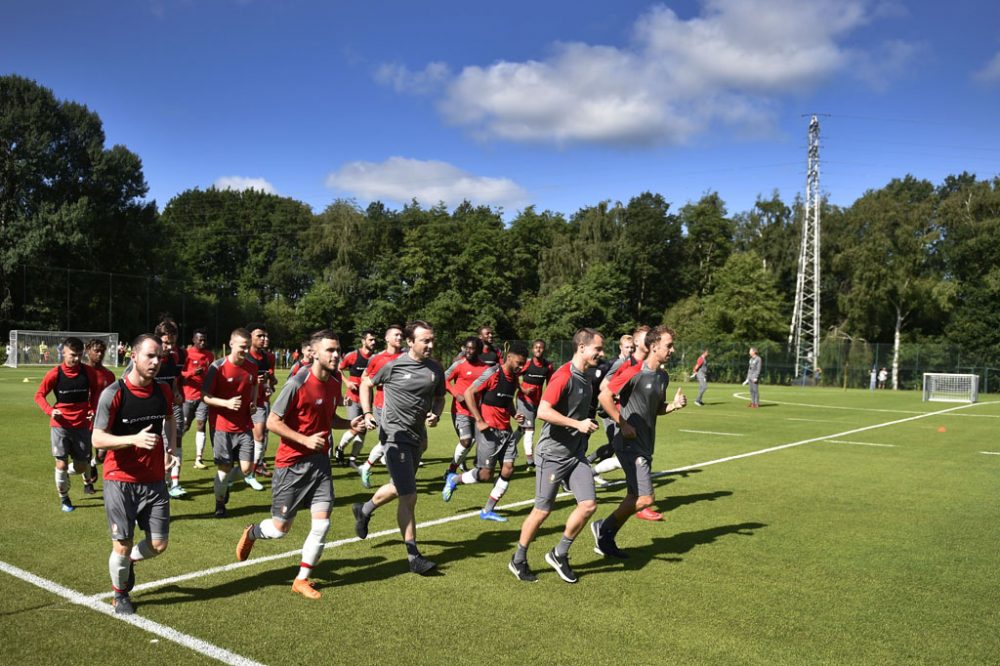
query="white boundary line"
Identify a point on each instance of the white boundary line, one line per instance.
(812, 420)
(461, 516)
(709, 432)
(991, 453)
(163, 631)
(844, 441)
(746, 396)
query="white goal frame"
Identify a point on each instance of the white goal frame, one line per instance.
(52, 339)
(950, 387)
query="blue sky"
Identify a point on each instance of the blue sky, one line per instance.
(555, 104)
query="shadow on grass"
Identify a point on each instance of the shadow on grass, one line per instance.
(667, 549)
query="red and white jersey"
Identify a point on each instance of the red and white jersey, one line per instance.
(354, 364)
(197, 360)
(376, 362)
(225, 379)
(534, 374)
(77, 392)
(459, 377)
(307, 406)
(125, 409)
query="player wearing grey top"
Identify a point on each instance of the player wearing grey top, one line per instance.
(753, 378)
(641, 393)
(564, 408)
(413, 386)
(700, 372)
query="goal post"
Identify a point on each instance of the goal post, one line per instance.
(43, 348)
(947, 387)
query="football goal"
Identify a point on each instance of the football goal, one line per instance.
(945, 387)
(45, 347)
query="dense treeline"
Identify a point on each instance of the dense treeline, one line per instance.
(910, 260)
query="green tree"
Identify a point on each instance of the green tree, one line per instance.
(709, 240)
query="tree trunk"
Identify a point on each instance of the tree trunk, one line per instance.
(895, 350)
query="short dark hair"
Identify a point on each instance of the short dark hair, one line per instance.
(518, 348)
(167, 326)
(76, 344)
(240, 333)
(324, 334)
(200, 331)
(304, 344)
(411, 328)
(655, 334)
(536, 341)
(473, 340)
(584, 336)
(142, 338)
(365, 333)
(254, 325)
(396, 326)
(94, 343)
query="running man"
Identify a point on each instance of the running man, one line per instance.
(302, 417)
(266, 381)
(495, 441)
(94, 351)
(304, 360)
(75, 386)
(641, 393)
(414, 399)
(230, 393)
(169, 373)
(135, 425)
(560, 457)
(196, 363)
(491, 354)
(467, 368)
(354, 364)
(700, 372)
(534, 374)
(393, 349)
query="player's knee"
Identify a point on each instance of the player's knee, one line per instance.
(588, 507)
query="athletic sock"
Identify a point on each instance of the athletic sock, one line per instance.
(312, 549)
(609, 526)
(258, 451)
(464, 457)
(62, 482)
(356, 446)
(608, 465)
(266, 529)
(221, 481)
(562, 548)
(499, 488)
(199, 445)
(118, 566)
(411, 550)
(368, 508)
(521, 554)
(142, 551)
(175, 471)
(472, 476)
(345, 440)
(456, 457)
(375, 454)
(529, 438)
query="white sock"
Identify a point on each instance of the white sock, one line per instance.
(267, 530)
(62, 482)
(312, 549)
(608, 465)
(142, 551)
(199, 445)
(499, 488)
(356, 446)
(221, 480)
(345, 440)
(472, 476)
(459, 454)
(258, 451)
(175, 471)
(375, 454)
(118, 568)
(529, 438)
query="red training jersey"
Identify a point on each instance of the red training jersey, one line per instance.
(124, 411)
(534, 374)
(224, 379)
(459, 377)
(496, 389)
(77, 392)
(195, 366)
(307, 406)
(354, 364)
(376, 362)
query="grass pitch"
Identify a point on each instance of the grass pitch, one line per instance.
(865, 532)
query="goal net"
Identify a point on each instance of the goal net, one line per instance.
(943, 387)
(45, 347)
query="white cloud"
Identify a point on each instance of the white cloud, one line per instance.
(401, 179)
(403, 80)
(990, 73)
(675, 79)
(244, 183)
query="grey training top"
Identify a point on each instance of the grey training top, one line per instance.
(753, 369)
(410, 389)
(641, 401)
(569, 392)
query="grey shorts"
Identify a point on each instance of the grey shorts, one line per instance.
(178, 424)
(402, 460)
(260, 415)
(495, 445)
(465, 426)
(551, 472)
(228, 447)
(70, 443)
(638, 477)
(307, 483)
(195, 410)
(529, 412)
(354, 410)
(127, 504)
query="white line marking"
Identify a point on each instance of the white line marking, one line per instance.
(746, 396)
(991, 453)
(709, 432)
(813, 420)
(448, 519)
(844, 441)
(163, 631)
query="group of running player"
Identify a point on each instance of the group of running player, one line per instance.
(137, 423)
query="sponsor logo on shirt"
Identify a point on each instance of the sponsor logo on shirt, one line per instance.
(320, 401)
(230, 379)
(407, 375)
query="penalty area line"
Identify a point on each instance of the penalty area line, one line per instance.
(161, 630)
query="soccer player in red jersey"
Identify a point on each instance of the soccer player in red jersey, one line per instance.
(230, 393)
(491, 354)
(534, 374)
(95, 351)
(135, 424)
(633, 399)
(75, 386)
(266, 381)
(466, 369)
(304, 360)
(302, 416)
(490, 399)
(353, 365)
(196, 362)
(393, 349)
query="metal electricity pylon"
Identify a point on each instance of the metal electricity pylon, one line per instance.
(804, 333)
